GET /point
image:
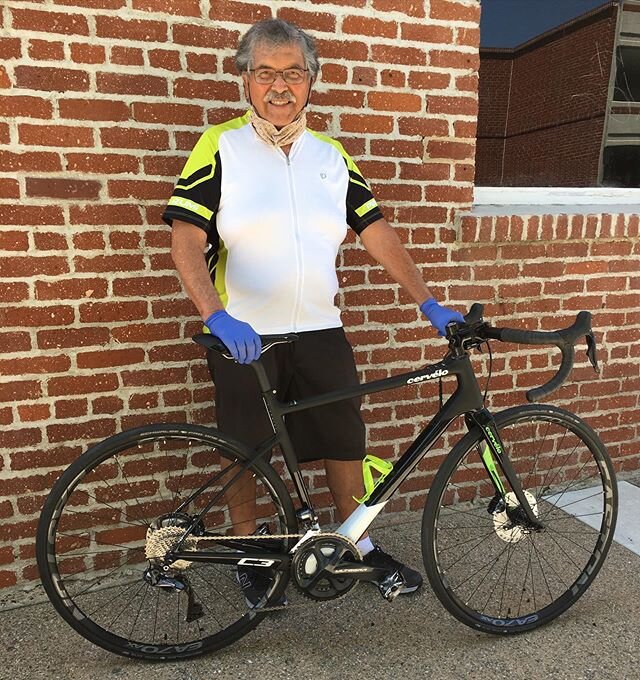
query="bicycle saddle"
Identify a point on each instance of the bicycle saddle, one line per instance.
(268, 341)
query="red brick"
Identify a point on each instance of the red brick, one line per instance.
(366, 26)
(447, 10)
(109, 263)
(169, 114)
(72, 337)
(14, 292)
(166, 166)
(31, 161)
(14, 240)
(62, 188)
(146, 286)
(201, 63)
(30, 365)
(424, 171)
(211, 90)
(58, 135)
(187, 8)
(392, 78)
(108, 358)
(467, 106)
(16, 266)
(71, 289)
(106, 405)
(337, 49)
(394, 101)
(94, 163)
(240, 12)
(91, 430)
(429, 80)
(21, 390)
(10, 48)
(152, 377)
(50, 22)
(46, 50)
(94, 109)
(83, 53)
(124, 240)
(26, 106)
(70, 408)
(387, 54)
(105, 312)
(142, 189)
(15, 342)
(454, 59)
(15, 438)
(109, 214)
(33, 412)
(51, 79)
(128, 56)
(450, 150)
(131, 138)
(364, 75)
(88, 384)
(309, 21)
(344, 98)
(131, 83)
(50, 240)
(147, 332)
(165, 59)
(131, 29)
(390, 148)
(204, 36)
(334, 73)
(414, 8)
(427, 33)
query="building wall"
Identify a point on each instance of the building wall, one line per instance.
(101, 103)
(554, 104)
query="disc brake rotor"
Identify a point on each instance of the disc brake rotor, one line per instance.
(504, 526)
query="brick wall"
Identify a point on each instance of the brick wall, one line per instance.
(101, 101)
(542, 106)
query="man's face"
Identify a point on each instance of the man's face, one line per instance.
(278, 102)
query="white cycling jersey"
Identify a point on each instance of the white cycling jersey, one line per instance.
(274, 222)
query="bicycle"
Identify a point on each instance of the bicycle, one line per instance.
(137, 552)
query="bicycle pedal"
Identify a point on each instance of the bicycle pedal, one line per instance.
(391, 586)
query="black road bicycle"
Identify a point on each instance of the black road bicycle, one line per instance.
(137, 551)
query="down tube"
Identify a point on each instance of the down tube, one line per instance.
(359, 520)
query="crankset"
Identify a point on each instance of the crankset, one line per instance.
(316, 568)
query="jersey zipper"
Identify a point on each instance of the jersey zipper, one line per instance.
(299, 259)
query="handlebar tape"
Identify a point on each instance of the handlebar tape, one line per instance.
(563, 339)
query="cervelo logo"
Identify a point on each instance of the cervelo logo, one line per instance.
(428, 376)
(493, 439)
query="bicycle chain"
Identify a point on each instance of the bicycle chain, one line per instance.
(198, 539)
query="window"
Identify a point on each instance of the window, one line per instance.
(559, 94)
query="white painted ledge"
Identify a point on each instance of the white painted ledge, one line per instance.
(496, 201)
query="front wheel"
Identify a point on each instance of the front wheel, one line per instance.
(488, 568)
(116, 511)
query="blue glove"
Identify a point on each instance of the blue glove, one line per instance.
(241, 340)
(440, 316)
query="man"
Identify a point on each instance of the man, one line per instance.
(271, 202)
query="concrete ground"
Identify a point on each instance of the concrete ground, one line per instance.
(364, 636)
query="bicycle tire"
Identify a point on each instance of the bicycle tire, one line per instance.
(91, 542)
(492, 574)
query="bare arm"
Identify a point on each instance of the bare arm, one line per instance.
(383, 244)
(187, 247)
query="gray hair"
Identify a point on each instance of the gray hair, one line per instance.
(276, 33)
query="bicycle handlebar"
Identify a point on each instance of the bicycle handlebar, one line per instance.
(564, 339)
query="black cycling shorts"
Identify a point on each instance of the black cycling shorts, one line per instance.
(318, 362)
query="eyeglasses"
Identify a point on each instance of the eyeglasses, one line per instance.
(268, 76)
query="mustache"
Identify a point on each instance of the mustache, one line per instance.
(273, 96)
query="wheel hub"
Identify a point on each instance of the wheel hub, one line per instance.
(506, 523)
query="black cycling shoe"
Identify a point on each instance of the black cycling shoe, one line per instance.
(380, 560)
(255, 583)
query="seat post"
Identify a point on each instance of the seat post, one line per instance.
(261, 373)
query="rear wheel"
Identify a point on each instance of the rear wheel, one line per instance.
(485, 565)
(100, 552)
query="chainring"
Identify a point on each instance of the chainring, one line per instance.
(313, 556)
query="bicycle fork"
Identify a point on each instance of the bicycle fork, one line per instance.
(495, 459)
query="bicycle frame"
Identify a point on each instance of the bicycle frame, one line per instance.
(466, 400)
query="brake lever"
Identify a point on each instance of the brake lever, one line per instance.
(591, 351)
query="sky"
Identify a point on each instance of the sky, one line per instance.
(508, 23)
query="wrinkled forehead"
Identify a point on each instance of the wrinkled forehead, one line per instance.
(287, 55)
